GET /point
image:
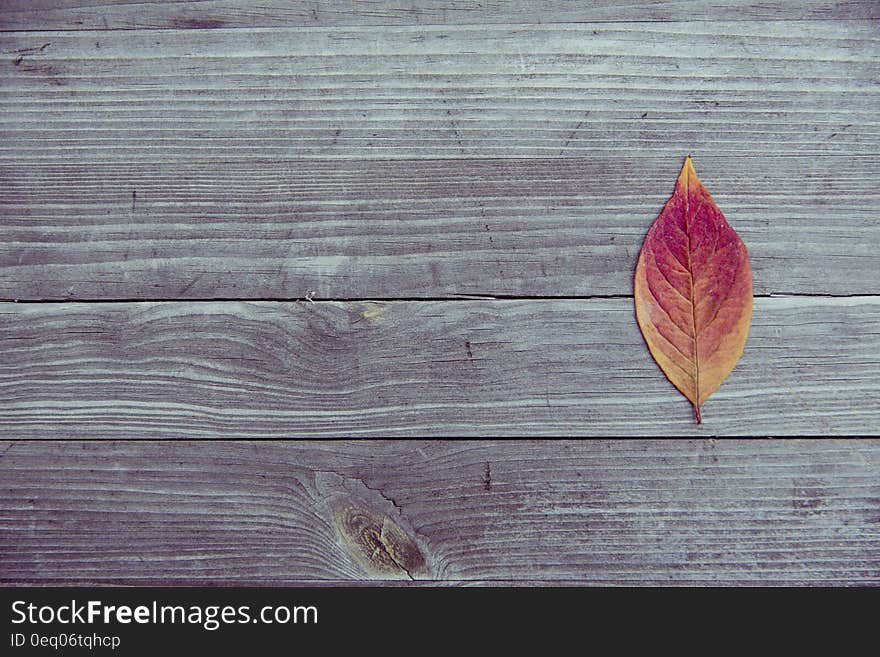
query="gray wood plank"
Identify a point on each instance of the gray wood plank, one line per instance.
(565, 367)
(752, 89)
(397, 162)
(213, 14)
(427, 229)
(588, 512)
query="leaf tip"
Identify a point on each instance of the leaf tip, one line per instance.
(687, 168)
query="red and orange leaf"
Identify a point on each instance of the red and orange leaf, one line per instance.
(693, 291)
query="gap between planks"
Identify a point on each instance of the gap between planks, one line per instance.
(454, 297)
(198, 16)
(426, 26)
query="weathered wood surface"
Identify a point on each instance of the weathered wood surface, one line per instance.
(655, 511)
(428, 161)
(438, 228)
(213, 14)
(748, 89)
(463, 368)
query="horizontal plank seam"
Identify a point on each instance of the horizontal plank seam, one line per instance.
(452, 297)
(403, 26)
(863, 437)
(445, 159)
(427, 580)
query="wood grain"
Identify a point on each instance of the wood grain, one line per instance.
(740, 88)
(393, 162)
(465, 368)
(428, 229)
(214, 14)
(591, 512)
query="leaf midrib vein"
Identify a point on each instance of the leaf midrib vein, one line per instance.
(687, 226)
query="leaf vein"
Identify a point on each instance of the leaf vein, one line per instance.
(666, 278)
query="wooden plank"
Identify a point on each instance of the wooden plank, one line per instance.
(751, 89)
(606, 512)
(430, 228)
(213, 14)
(426, 162)
(575, 367)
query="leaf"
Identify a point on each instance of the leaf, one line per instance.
(693, 291)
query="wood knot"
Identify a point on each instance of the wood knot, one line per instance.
(379, 543)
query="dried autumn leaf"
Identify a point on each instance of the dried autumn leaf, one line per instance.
(693, 291)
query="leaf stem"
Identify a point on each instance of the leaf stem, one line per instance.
(697, 414)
